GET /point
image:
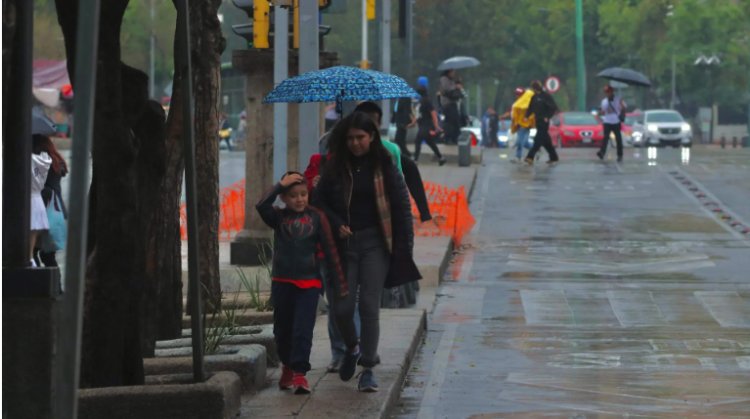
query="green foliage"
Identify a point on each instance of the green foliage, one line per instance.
(522, 40)
(219, 325)
(252, 287)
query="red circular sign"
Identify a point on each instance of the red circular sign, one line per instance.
(552, 84)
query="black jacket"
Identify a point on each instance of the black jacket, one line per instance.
(333, 195)
(296, 239)
(543, 106)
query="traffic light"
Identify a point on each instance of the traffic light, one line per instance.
(255, 32)
(261, 23)
(370, 9)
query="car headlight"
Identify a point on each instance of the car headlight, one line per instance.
(652, 127)
(503, 138)
(685, 127)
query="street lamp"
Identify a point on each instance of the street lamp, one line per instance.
(709, 63)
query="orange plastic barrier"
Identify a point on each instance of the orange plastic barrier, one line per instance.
(231, 211)
(449, 208)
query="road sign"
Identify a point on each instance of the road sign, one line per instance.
(552, 84)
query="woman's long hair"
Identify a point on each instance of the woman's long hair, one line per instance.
(43, 143)
(339, 156)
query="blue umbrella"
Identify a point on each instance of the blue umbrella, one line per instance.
(339, 84)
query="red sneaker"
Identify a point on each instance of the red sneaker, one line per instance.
(300, 384)
(286, 380)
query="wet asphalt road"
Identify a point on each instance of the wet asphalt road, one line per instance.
(596, 289)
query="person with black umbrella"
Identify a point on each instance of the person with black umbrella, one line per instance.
(612, 112)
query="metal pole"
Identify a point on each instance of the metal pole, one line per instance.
(71, 306)
(673, 99)
(280, 73)
(410, 38)
(385, 55)
(580, 65)
(17, 143)
(309, 113)
(194, 286)
(152, 55)
(363, 63)
(479, 101)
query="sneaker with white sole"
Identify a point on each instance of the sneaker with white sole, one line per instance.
(367, 383)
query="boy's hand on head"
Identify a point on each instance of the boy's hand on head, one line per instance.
(291, 180)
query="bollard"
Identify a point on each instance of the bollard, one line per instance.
(464, 148)
(734, 142)
(723, 142)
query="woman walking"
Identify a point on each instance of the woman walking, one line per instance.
(367, 203)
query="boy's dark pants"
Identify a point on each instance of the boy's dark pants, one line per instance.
(294, 313)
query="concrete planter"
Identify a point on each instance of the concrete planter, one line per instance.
(168, 397)
(248, 335)
(248, 318)
(248, 362)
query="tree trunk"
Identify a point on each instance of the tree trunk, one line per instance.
(111, 351)
(207, 44)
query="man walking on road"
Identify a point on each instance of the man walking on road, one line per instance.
(612, 112)
(543, 107)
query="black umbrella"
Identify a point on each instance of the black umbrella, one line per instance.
(41, 124)
(625, 75)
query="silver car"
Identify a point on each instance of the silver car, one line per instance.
(660, 128)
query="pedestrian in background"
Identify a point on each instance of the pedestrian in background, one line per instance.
(331, 117)
(54, 238)
(367, 202)
(428, 127)
(543, 108)
(40, 164)
(451, 92)
(612, 112)
(520, 124)
(404, 119)
(299, 231)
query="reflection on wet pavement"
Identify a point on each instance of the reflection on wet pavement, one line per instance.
(596, 289)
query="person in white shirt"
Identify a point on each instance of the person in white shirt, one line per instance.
(612, 112)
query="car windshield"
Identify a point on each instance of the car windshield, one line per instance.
(504, 124)
(664, 117)
(580, 119)
(632, 119)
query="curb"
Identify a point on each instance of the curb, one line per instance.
(394, 391)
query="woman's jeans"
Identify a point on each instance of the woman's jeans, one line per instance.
(522, 138)
(367, 263)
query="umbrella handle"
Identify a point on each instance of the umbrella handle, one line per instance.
(340, 103)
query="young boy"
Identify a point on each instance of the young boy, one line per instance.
(299, 230)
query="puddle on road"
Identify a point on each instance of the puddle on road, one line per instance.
(673, 223)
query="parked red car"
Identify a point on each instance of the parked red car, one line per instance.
(576, 129)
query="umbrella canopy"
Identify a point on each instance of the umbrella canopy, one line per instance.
(339, 84)
(625, 75)
(41, 124)
(456, 63)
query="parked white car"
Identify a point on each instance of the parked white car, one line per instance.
(662, 127)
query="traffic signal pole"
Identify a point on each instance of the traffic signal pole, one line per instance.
(580, 65)
(280, 73)
(309, 115)
(385, 55)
